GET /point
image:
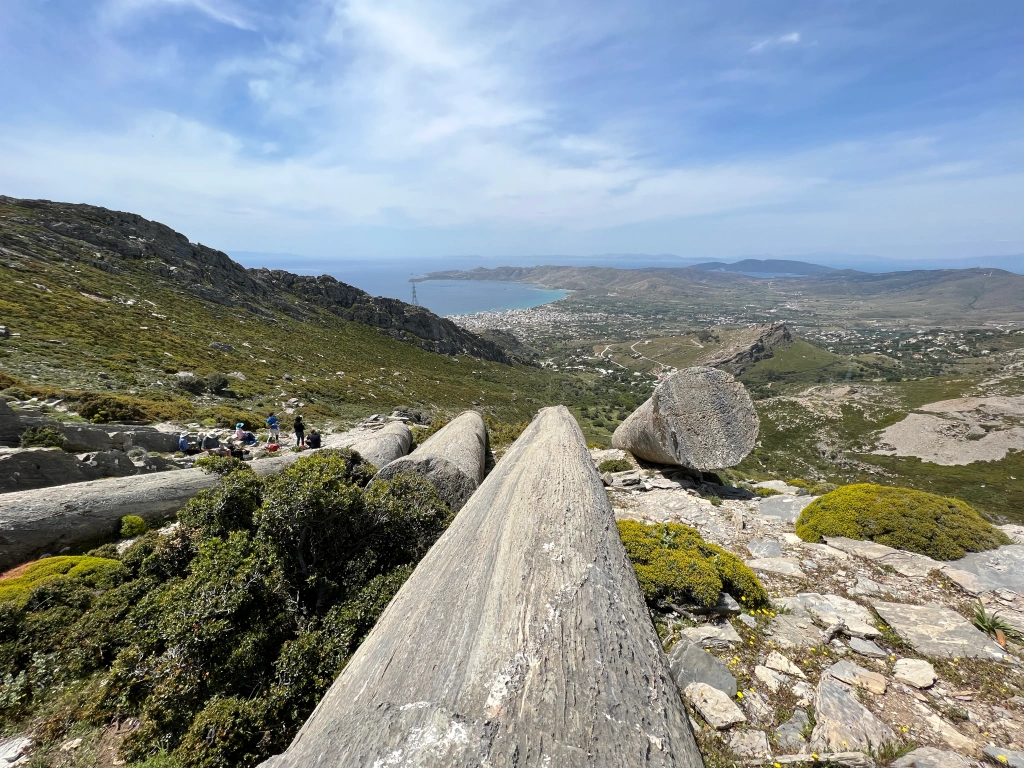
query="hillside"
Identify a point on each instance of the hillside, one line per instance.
(109, 302)
(768, 267)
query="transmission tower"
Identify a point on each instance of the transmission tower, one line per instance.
(415, 300)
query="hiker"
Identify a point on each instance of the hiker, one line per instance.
(189, 449)
(313, 441)
(300, 431)
(211, 445)
(275, 429)
(240, 431)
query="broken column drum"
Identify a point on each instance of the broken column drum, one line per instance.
(521, 639)
(453, 459)
(382, 446)
(698, 417)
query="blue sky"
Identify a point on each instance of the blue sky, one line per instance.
(371, 128)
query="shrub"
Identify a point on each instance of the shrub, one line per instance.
(410, 514)
(820, 489)
(766, 492)
(46, 436)
(614, 465)
(673, 563)
(716, 501)
(936, 526)
(132, 526)
(216, 383)
(228, 506)
(796, 482)
(103, 408)
(15, 393)
(189, 382)
(93, 571)
(220, 465)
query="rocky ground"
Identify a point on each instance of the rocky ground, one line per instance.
(869, 656)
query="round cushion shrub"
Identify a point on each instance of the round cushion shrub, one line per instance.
(614, 465)
(916, 521)
(132, 526)
(97, 572)
(674, 564)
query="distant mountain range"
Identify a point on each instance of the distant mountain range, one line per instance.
(766, 267)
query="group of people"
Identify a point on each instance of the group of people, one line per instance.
(238, 444)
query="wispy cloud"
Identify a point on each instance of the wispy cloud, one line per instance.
(119, 12)
(790, 38)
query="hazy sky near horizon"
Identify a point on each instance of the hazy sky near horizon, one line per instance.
(365, 128)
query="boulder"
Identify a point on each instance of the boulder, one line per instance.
(790, 735)
(697, 417)
(521, 638)
(750, 744)
(382, 446)
(914, 672)
(453, 459)
(720, 636)
(866, 648)
(1007, 757)
(843, 722)
(833, 609)
(30, 468)
(692, 664)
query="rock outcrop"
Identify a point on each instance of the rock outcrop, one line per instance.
(698, 417)
(750, 346)
(520, 639)
(453, 459)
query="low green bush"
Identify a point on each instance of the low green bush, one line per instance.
(132, 526)
(46, 436)
(673, 563)
(796, 482)
(220, 465)
(614, 465)
(764, 493)
(939, 527)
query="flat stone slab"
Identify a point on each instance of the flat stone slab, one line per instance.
(832, 609)
(790, 735)
(764, 548)
(935, 630)
(930, 757)
(905, 563)
(783, 566)
(750, 744)
(914, 672)
(788, 508)
(715, 707)
(866, 648)
(855, 675)
(790, 631)
(1001, 568)
(719, 636)
(1008, 757)
(692, 664)
(780, 663)
(843, 722)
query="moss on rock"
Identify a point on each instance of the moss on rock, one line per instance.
(92, 571)
(673, 563)
(939, 527)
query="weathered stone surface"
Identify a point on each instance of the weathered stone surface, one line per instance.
(780, 663)
(692, 664)
(1007, 757)
(14, 751)
(867, 648)
(930, 757)
(842, 721)
(24, 470)
(521, 637)
(787, 508)
(453, 459)
(831, 609)
(757, 708)
(771, 679)
(904, 563)
(915, 672)
(764, 548)
(790, 631)
(382, 446)
(715, 707)
(790, 735)
(1001, 568)
(725, 606)
(697, 417)
(719, 636)
(750, 744)
(783, 566)
(853, 674)
(935, 630)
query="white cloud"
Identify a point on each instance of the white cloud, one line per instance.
(790, 38)
(119, 12)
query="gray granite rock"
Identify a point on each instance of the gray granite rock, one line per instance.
(692, 664)
(750, 745)
(790, 631)
(1007, 757)
(790, 735)
(787, 508)
(776, 661)
(14, 751)
(747, 619)
(866, 648)
(914, 672)
(783, 566)
(715, 707)
(930, 757)
(726, 606)
(842, 721)
(1001, 568)
(764, 548)
(757, 708)
(719, 636)
(855, 675)
(832, 609)
(935, 630)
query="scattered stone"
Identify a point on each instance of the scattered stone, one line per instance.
(851, 673)
(780, 663)
(715, 707)
(784, 566)
(930, 757)
(950, 735)
(790, 735)
(914, 672)
(5, 332)
(720, 636)
(865, 587)
(786, 508)
(935, 630)
(833, 609)
(790, 631)
(1007, 757)
(758, 709)
(726, 606)
(221, 346)
(764, 548)
(867, 648)
(71, 745)
(804, 693)
(842, 721)
(692, 664)
(750, 744)
(772, 680)
(747, 619)
(14, 751)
